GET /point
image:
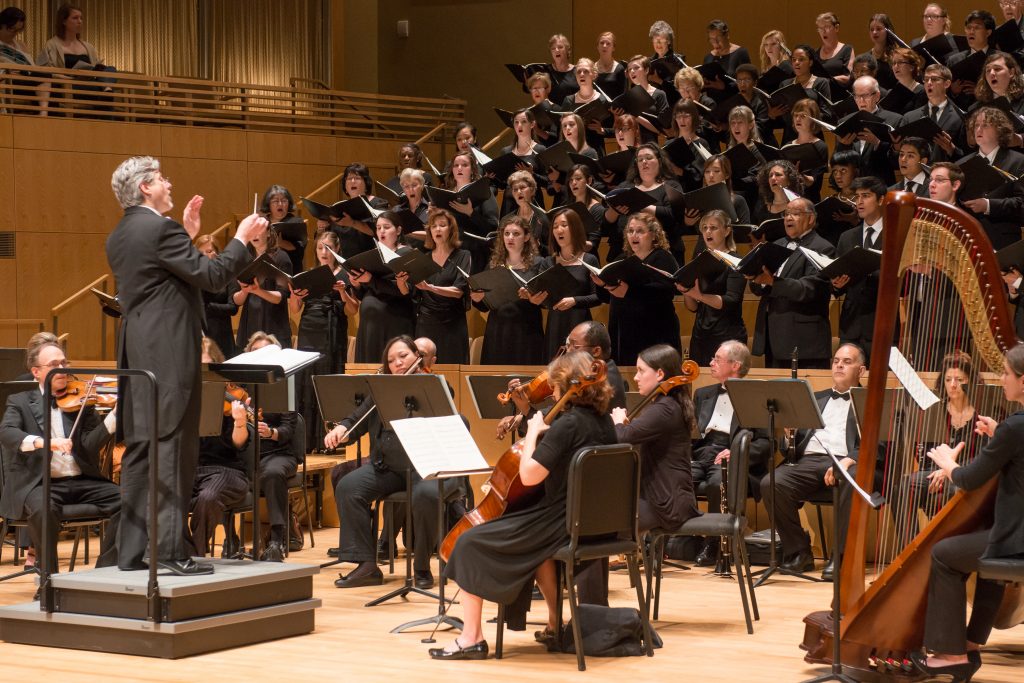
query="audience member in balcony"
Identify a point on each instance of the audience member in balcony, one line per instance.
(279, 207)
(13, 51)
(443, 298)
(219, 307)
(67, 50)
(355, 236)
(263, 301)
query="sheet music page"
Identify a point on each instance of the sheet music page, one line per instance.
(288, 359)
(440, 446)
(917, 389)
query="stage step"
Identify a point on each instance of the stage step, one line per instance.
(242, 602)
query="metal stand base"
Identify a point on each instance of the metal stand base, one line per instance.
(765, 574)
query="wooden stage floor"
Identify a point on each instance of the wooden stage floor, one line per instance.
(701, 624)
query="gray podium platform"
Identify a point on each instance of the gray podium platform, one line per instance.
(242, 602)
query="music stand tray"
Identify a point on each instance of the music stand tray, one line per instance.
(339, 395)
(772, 405)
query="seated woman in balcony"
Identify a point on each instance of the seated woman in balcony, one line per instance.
(67, 50)
(13, 51)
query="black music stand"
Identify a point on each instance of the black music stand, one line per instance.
(772, 404)
(255, 376)
(875, 501)
(12, 364)
(338, 397)
(485, 389)
(401, 397)
(211, 414)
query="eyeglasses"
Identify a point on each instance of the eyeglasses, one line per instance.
(791, 213)
(864, 96)
(933, 17)
(55, 364)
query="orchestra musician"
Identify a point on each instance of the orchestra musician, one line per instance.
(500, 559)
(159, 276)
(954, 644)
(74, 465)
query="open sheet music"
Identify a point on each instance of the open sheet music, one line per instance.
(288, 359)
(440, 447)
(917, 389)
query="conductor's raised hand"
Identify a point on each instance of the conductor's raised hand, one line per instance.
(190, 217)
(251, 227)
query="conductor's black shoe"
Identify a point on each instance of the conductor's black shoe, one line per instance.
(187, 567)
(274, 552)
(424, 579)
(708, 555)
(475, 651)
(802, 561)
(829, 570)
(366, 574)
(333, 552)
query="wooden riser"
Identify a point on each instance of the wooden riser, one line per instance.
(27, 625)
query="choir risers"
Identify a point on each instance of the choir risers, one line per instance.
(243, 602)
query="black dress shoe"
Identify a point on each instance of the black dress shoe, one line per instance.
(961, 673)
(187, 567)
(382, 552)
(366, 574)
(333, 552)
(231, 549)
(274, 552)
(802, 561)
(476, 651)
(424, 579)
(829, 570)
(708, 555)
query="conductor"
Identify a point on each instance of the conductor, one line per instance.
(159, 276)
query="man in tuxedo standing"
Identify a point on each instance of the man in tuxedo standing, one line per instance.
(160, 276)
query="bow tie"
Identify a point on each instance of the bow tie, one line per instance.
(844, 396)
(721, 389)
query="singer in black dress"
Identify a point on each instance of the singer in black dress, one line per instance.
(567, 246)
(718, 301)
(386, 309)
(514, 334)
(499, 559)
(475, 221)
(642, 314)
(264, 302)
(219, 307)
(443, 298)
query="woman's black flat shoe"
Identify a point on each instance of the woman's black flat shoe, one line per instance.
(961, 673)
(476, 651)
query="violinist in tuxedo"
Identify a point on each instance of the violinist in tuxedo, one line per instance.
(812, 472)
(717, 425)
(75, 473)
(793, 311)
(160, 276)
(949, 144)
(860, 295)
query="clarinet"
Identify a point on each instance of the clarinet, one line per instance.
(794, 363)
(723, 565)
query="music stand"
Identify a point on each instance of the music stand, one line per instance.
(255, 376)
(770, 404)
(338, 397)
(485, 389)
(211, 414)
(12, 364)
(400, 397)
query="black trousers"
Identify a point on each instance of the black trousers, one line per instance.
(275, 471)
(216, 489)
(794, 484)
(177, 455)
(355, 494)
(953, 560)
(707, 476)
(79, 490)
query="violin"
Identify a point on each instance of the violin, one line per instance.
(689, 372)
(535, 391)
(80, 393)
(232, 393)
(505, 490)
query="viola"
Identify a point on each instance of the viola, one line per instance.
(232, 393)
(80, 393)
(535, 391)
(505, 490)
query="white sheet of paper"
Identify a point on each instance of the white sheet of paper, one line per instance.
(440, 446)
(917, 389)
(288, 359)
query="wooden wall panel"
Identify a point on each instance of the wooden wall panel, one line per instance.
(8, 218)
(222, 183)
(64, 192)
(6, 131)
(9, 334)
(283, 148)
(205, 143)
(76, 135)
(300, 179)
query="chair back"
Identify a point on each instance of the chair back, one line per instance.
(739, 479)
(604, 487)
(299, 440)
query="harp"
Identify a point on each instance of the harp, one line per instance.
(940, 293)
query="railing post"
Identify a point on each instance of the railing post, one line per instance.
(103, 326)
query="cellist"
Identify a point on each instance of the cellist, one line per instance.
(499, 559)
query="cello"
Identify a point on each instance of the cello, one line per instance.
(506, 491)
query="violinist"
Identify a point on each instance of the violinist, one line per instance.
(221, 482)
(500, 559)
(384, 474)
(74, 465)
(662, 433)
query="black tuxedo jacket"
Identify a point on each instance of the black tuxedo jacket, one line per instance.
(794, 310)
(878, 161)
(860, 297)
(160, 276)
(1006, 213)
(23, 470)
(704, 400)
(921, 189)
(803, 436)
(950, 122)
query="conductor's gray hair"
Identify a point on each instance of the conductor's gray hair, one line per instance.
(129, 175)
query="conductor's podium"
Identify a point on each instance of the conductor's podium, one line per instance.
(105, 610)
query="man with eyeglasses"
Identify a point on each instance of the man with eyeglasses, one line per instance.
(160, 277)
(950, 143)
(875, 152)
(793, 311)
(75, 473)
(978, 27)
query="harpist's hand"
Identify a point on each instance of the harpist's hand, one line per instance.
(985, 426)
(936, 480)
(946, 457)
